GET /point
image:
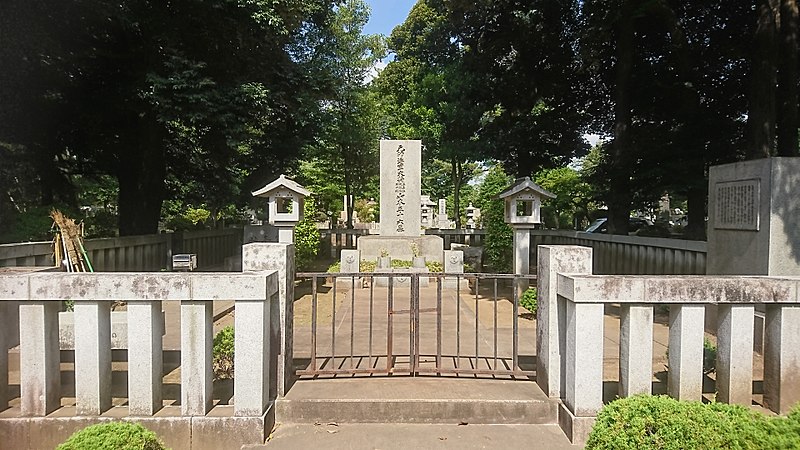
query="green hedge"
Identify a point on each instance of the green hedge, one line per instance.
(113, 436)
(660, 422)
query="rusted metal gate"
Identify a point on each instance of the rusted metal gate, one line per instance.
(409, 323)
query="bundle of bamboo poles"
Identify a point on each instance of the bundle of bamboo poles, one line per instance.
(68, 244)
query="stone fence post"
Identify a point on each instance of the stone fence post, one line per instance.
(551, 320)
(260, 256)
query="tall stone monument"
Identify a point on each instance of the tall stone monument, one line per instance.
(401, 171)
(401, 168)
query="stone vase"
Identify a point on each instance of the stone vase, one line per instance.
(384, 262)
(418, 262)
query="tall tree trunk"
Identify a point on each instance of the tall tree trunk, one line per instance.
(619, 202)
(787, 121)
(761, 119)
(141, 175)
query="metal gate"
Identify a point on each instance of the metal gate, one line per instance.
(414, 323)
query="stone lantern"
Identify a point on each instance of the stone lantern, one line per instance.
(523, 202)
(286, 199)
(473, 216)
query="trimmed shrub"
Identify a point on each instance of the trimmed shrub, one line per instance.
(306, 236)
(528, 300)
(661, 422)
(113, 436)
(223, 353)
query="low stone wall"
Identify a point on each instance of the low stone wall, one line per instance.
(38, 298)
(572, 304)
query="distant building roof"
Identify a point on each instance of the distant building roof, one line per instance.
(521, 184)
(281, 182)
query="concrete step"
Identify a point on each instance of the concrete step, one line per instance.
(416, 400)
(403, 436)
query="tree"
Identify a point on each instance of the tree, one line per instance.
(347, 146)
(428, 95)
(195, 93)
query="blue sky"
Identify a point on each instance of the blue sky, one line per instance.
(387, 14)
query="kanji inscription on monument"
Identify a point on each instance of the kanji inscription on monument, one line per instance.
(401, 165)
(737, 204)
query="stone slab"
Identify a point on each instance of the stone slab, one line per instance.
(401, 171)
(399, 247)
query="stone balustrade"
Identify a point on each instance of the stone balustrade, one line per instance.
(571, 332)
(40, 296)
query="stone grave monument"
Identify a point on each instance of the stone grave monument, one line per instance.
(400, 227)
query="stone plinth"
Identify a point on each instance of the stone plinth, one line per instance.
(399, 247)
(752, 218)
(401, 168)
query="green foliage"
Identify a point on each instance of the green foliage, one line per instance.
(572, 197)
(499, 235)
(434, 266)
(661, 422)
(306, 236)
(113, 436)
(709, 356)
(529, 300)
(222, 352)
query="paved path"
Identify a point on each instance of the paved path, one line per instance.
(409, 436)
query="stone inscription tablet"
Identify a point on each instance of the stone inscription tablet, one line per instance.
(737, 205)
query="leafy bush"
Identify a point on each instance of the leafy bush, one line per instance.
(223, 353)
(709, 356)
(499, 244)
(306, 236)
(113, 436)
(434, 266)
(661, 422)
(528, 300)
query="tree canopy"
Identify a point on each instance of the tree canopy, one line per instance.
(198, 103)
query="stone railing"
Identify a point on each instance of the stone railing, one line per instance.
(40, 296)
(570, 325)
(630, 255)
(469, 237)
(135, 253)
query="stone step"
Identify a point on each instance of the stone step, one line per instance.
(402, 436)
(416, 400)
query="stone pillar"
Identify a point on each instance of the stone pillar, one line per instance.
(196, 357)
(40, 357)
(551, 316)
(584, 355)
(252, 350)
(259, 256)
(286, 235)
(349, 263)
(453, 263)
(635, 350)
(685, 377)
(92, 356)
(145, 357)
(522, 257)
(734, 363)
(782, 357)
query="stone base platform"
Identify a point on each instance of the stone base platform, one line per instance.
(399, 247)
(218, 430)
